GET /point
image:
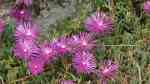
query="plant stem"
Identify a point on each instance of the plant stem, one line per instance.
(2, 81)
(139, 73)
(21, 79)
(122, 45)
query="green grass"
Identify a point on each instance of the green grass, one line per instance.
(130, 29)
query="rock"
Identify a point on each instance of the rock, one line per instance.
(55, 13)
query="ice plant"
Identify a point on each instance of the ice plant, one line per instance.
(36, 66)
(26, 30)
(147, 6)
(26, 50)
(108, 70)
(2, 25)
(99, 23)
(24, 2)
(20, 13)
(61, 45)
(67, 82)
(82, 41)
(48, 51)
(84, 62)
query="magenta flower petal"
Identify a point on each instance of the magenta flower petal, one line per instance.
(67, 82)
(27, 30)
(20, 14)
(99, 23)
(83, 41)
(48, 52)
(84, 62)
(36, 66)
(2, 25)
(147, 7)
(26, 50)
(108, 70)
(25, 2)
(61, 45)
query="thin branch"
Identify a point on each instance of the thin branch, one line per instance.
(113, 5)
(121, 45)
(2, 81)
(21, 79)
(27, 77)
(139, 73)
(138, 67)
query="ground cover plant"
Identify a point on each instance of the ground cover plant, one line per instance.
(101, 42)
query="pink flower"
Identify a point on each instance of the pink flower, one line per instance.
(108, 70)
(83, 41)
(99, 23)
(147, 7)
(84, 62)
(48, 52)
(36, 66)
(24, 2)
(27, 30)
(20, 13)
(26, 50)
(67, 82)
(2, 25)
(61, 45)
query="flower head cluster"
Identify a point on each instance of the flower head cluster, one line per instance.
(26, 47)
(83, 41)
(61, 45)
(84, 62)
(27, 30)
(48, 52)
(26, 33)
(108, 70)
(36, 56)
(20, 14)
(2, 24)
(147, 7)
(26, 50)
(67, 82)
(20, 11)
(36, 66)
(99, 23)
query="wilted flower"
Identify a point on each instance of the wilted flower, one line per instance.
(99, 23)
(20, 13)
(108, 70)
(84, 62)
(2, 24)
(61, 45)
(26, 50)
(48, 51)
(83, 41)
(24, 2)
(147, 7)
(26, 30)
(36, 66)
(67, 82)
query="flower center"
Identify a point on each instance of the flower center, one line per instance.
(29, 33)
(84, 43)
(105, 70)
(63, 46)
(35, 66)
(85, 63)
(22, 12)
(25, 50)
(48, 51)
(100, 23)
